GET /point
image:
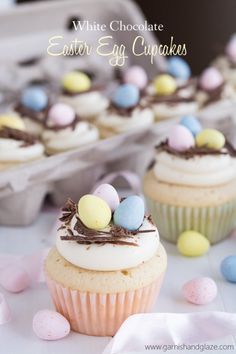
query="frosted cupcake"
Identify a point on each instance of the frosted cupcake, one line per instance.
(64, 130)
(86, 98)
(192, 185)
(16, 145)
(108, 262)
(32, 108)
(125, 113)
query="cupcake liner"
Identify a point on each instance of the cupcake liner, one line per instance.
(216, 223)
(98, 314)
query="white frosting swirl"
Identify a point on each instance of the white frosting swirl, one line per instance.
(12, 151)
(87, 105)
(68, 138)
(140, 117)
(166, 110)
(199, 171)
(109, 257)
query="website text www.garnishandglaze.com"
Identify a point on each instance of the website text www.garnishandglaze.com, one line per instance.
(198, 347)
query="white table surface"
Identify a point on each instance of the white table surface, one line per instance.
(17, 336)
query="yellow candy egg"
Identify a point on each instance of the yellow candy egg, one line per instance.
(165, 84)
(94, 212)
(76, 82)
(210, 138)
(192, 244)
(11, 121)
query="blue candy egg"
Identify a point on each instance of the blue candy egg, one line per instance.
(228, 268)
(34, 98)
(192, 124)
(130, 213)
(179, 68)
(126, 96)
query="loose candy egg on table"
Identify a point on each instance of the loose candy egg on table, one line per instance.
(137, 76)
(130, 213)
(192, 124)
(50, 325)
(210, 79)
(228, 268)
(210, 138)
(192, 244)
(126, 96)
(94, 212)
(11, 121)
(14, 279)
(179, 68)
(200, 291)
(180, 138)
(34, 98)
(76, 82)
(108, 193)
(61, 114)
(165, 85)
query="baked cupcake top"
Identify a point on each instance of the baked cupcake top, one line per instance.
(104, 233)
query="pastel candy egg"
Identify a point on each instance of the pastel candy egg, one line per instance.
(11, 121)
(14, 279)
(61, 114)
(108, 193)
(34, 98)
(180, 138)
(179, 68)
(228, 268)
(200, 291)
(165, 85)
(50, 325)
(137, 76)
(130, 213)
(126, 96)
(76, 82)
(192, 124)
(192, 244)
(210, 138)
(210, 79)
(231, 48)
(94, 212)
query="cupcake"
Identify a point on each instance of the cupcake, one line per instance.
(32, 108)
(125, 113)
(192, 184)
(16, 145)
(108, 262)
(86, 98)
(64, 130)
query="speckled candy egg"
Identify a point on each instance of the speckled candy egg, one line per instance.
(34, 98)
(200, 291)
(179, 68)
(94, 212)
(108, 193)
(11, 121)
(192, 244)
(76, 82)
(61, 114)
(165, 84)
(126, 96)
(228, 268)
(130, 213)
(210, 79)
(210, 138)
(14, 279)
(137, 76)
(192, 124)
(50, 325)
(180, 138)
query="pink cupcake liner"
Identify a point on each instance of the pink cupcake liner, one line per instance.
(98, 314)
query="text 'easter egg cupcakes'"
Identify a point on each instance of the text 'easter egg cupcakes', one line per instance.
(108, 262)
(192, 185)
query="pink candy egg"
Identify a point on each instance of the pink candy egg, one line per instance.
(61, 114)
(200, 291)
(108, 193)
(180, 138)
(50, 325)
(210, 79)
(137, 76)
(231, 49)
(14, 279)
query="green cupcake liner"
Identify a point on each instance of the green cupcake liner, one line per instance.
(216, 223)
